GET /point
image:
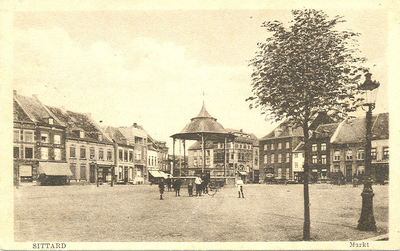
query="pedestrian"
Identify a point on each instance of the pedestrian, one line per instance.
(161, 188)
(198, 182)
(178, 183)
(190, 188)
(169, 184)
(355, 181)
(239, 184)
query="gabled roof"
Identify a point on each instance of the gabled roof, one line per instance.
(326, 130)
(299, 147)
(353, 130)
(19, 113)
(197, 145)
(116, 135)
(289, 129)
(35, 110)
(79, 122)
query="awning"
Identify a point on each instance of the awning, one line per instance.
(156, 174)
(243, 173)
(54, 169)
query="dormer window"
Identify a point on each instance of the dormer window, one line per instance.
(81, 134)
(51, 121)
(100, 138)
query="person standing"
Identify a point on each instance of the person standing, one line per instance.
(169, 184)
(190, 188)
(198, 181)
(239, 184)
(161, 188)
(178, 183)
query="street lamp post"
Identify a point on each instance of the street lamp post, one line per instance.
(367, 221)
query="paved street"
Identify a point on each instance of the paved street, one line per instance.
(135, 213)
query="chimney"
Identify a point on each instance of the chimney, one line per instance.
(15, 92)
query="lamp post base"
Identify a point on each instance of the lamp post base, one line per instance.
(367, 220)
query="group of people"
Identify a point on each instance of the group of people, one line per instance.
(201, 187)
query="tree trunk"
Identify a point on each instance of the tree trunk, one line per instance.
(306, 226)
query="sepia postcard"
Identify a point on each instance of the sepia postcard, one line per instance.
(199, 125)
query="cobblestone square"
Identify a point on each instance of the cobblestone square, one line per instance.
(268, 213)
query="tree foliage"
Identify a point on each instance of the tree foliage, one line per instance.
(306, 68)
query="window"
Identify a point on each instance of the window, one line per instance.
(314, 147)
(16, 152)
(287, 145)
(28, 152)
(28, 136)
(138, 140)
(44, 137)
(386, 152)
(296, 155)
(336, 156)
(100, 138)
(72, 153)
(232, 156)
(287, 157)
(265, 159)
(279, 158)
(287, 173)
(57, 154)
(44, 152)
(120, 154)
(130, 156)
(360, 154)
(314, 159)
(16, 135)
(279, 145)
(349, 154)
(138, 155)
(81, 134)
(83, 153)
(360, 170)
(323, 146)
(91, 153)
(373, 153)
(109, 155)
(296, 165)
(51, 121)
(57, 139)
(323, 159)
(101, 154)
(256, 161)
(126, 155)
(72, 167)
(279, 173)
(195, 162)
(272, 146)
(208, 153)
(272, 158)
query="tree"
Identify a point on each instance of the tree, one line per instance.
(304, 69)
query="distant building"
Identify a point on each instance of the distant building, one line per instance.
(276, 148)
(89, 152)
(241, 156)
(39, 141)
(321, 152)
(347, 147)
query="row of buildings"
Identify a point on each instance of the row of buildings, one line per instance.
(67, 145)
(60, 143)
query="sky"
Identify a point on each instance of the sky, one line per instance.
(156, 67)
